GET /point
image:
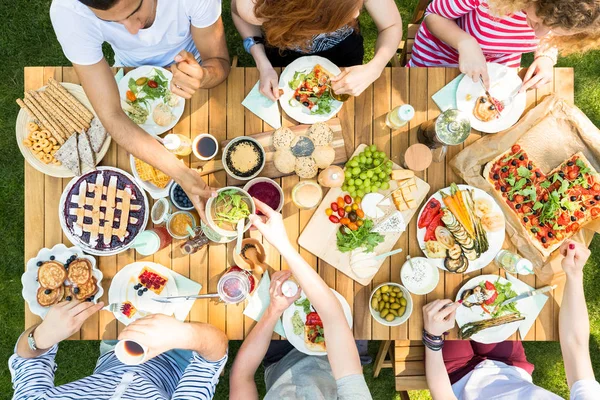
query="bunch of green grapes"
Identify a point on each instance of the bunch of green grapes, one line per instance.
(367, 172)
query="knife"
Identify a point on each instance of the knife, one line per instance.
(181, 299)
(488, 95)
(528, 294)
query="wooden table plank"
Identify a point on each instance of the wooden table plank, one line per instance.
(219, 112)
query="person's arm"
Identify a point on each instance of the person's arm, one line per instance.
(438, 317)
(354, 80)
(161, 333)
(439, 19)
(573, 320)
(242, 13)
(102, 91)
(33, 370)
(189, 75)
(341, 351)
(242, 385)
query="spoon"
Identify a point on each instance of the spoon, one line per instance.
(240, 237)
(389, 253)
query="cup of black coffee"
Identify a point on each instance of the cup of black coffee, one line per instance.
(130, 352)
(205, 146)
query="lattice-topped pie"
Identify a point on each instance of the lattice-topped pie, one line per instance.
(104, 210)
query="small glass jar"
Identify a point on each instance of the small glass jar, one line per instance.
(513, 263)
(234, 286)
(178, 224)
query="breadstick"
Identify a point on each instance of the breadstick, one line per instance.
(72, 111)
(60, 122)
(88, 115)
(57, 126)
(72, 126)
(34, 115)
(61, 103)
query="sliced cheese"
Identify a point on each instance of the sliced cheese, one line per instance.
(401, 174)
(392, 223)
(372, 207)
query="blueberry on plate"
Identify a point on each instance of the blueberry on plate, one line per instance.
(75, 290)
(90, 299)
(140, 292)
(145, 289)
(136, 287)
(39, 263)
(52, 258)
(68, 298)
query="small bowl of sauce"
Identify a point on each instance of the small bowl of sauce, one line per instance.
(267, 191)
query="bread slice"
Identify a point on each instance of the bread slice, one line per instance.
(86, 154)
(97, 134)
(68, 155)
(309, 343)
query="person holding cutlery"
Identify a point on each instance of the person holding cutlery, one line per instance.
(466, 370)
(186, 36)
(295, 375)
(470, 33)
(276, 33)
(192, 372)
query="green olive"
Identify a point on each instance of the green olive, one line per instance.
(402, 302)
(384, 312)
(395, 312)
(378, 292)
(141, 81)
(390, 317)
(381, 304)
(386, 305)
(396, 289)
(401, 311)
(392, 300)
(385, 289)
(400, 294)
(392, 294)
(374, 304)
(395, 306)
(385, 297)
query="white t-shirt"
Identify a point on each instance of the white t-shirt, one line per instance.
(81, 33)
(494, 380)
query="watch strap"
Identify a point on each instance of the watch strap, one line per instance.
(251, 41)
(31, 341)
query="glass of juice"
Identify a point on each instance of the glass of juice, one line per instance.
(152, 240)
(178, 224)
(307, 194)
(205, 146)
(234, 286)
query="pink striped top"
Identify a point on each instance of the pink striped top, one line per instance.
(502, 40)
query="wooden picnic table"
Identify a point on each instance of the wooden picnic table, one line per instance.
(220, 112)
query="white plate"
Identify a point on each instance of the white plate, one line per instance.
(496, 334)
(298, 340)
(29, 277)
(76, 239)
(150, 126)
(299, 112)
(504, 82)
(57, 171)
(154, 191)
(121, 290)
(495, 239)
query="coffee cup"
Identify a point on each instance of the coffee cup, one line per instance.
(130, 352)
(205, 146)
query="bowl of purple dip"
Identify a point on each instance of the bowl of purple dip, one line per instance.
(267, 191)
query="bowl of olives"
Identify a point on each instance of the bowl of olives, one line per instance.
(390, 304)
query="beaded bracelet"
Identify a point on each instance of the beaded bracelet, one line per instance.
(432, 342)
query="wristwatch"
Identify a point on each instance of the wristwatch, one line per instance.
(251, 41)
(31, 341)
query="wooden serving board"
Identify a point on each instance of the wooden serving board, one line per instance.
(319, 235)
(264, 138)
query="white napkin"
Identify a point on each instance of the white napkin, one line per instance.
(119, 75)
(259, 301)
(264, 108)
(185, 287)
(530, 307)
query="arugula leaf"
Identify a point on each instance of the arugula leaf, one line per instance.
(569, 205)
(132, 86)
(530, 192)
(297, 80)
(362, 237)
(524, 172)
(519, 185)
(538, 205)
(305, 304)
(564, 187)
(511, 179)
(583, 169)
(545, 184)
(557, 227)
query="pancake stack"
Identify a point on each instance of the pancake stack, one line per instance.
(58, 281)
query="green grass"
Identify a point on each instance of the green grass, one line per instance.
(27, 39)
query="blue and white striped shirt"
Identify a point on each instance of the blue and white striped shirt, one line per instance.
(160, 378)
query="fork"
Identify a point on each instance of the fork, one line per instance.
(114, 307)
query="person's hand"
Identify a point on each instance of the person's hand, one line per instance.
(279, 302)
(437, 319)
(159, 333)
(196, 189)
(472, 63)
(354, 80)
(273, 228)
(539, 73)
(187, 75)
(62, 321)
(269, 83)
(575, 255)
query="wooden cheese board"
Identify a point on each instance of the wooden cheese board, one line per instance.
(319, 235)
(264, 138)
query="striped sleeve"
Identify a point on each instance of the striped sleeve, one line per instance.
(32, 377)
(451, 9)
(199, 379)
